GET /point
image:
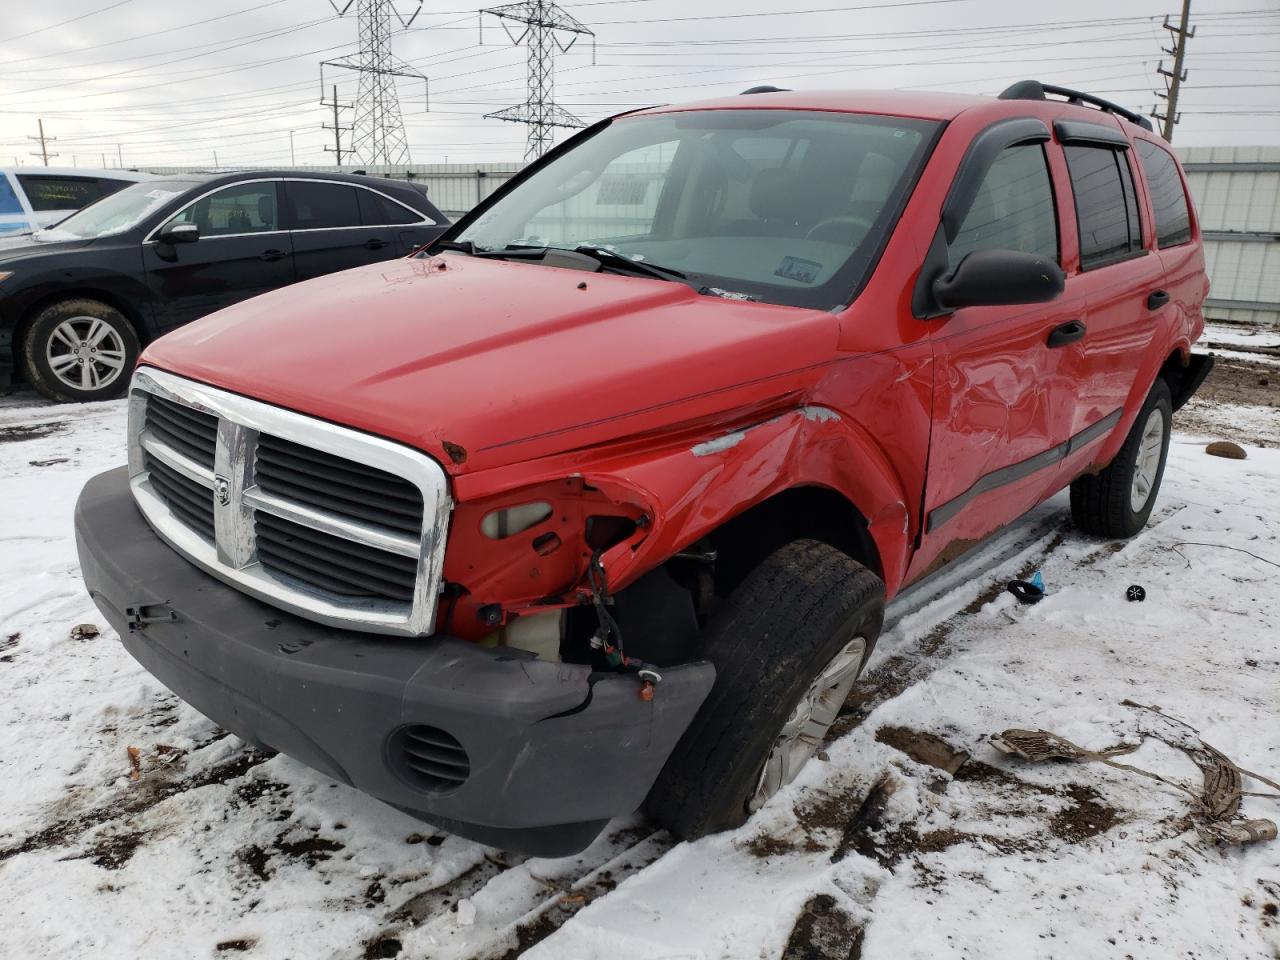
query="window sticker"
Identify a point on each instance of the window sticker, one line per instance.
(161, 194)
(799, 270)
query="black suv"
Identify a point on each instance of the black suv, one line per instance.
(78, 301)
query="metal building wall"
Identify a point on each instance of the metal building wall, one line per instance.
(1237, 194)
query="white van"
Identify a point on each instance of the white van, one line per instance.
(32, 198)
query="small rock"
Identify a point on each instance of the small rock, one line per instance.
(84, 631)
(466, 913)
(1226, 449)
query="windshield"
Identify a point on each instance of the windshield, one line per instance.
(786, 206)
(122, 210)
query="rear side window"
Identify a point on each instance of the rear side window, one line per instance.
(60, 193)
(1106, 205)
(318, 206)
(377, 211)
(1013, 209)
(1168, 198)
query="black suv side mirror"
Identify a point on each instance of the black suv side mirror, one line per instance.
(178, 233)
(993, 278)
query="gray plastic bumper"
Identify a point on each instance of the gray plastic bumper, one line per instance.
(554, 750)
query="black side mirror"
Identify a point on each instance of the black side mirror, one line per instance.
(994, 278)
(179, 233)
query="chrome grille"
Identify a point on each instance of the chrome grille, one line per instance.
(335, 525)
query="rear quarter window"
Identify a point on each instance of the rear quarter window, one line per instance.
(1168, 198)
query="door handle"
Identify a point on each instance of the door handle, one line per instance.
(375, 244)
(1069, 332)
(270, 256)
(1157, 299)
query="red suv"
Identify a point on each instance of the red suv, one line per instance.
(596, 503)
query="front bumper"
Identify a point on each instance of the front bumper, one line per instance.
(554, 750)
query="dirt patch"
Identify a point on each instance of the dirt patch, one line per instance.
(1233, 382)
(1086, 817)
(252, 791)
(859, 832)
(381, 948)
(238, 945)
(257, 860)
(310, 850)
(923, 748)
(17, 434)
(823, 931)
(530, 934)
(113, 852)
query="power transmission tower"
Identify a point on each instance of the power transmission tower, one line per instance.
(337, 127)
(1174, 78)
(44, 153)
(545, 24)
(378, 134)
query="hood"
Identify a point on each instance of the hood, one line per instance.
(507, 361)
(26, 246)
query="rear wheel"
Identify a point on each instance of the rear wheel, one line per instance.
(1117, 501)
(787, 644)
(79, 350)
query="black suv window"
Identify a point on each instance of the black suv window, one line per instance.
(1013, 209)
(239, 208)
(60, 193)
(323, 205)
(1106, 205)
(1168, 199)
(377, 211)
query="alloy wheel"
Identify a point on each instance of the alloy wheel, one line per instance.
(85, 353)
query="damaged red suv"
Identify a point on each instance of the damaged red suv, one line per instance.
(595, 504)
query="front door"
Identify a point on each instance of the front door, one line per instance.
(241, 253)
(1004, 387)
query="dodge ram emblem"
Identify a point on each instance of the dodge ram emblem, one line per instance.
(222, 489)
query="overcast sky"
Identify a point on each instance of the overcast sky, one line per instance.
(167, 82)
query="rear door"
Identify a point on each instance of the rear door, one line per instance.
(396, 228)
(1114, 272)
(1002, 403)
(242, 252)
(328, 231)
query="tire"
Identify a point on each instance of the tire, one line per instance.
(770, 641)
(107, 340)
(1103, 503)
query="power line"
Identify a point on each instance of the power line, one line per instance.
(63, 23)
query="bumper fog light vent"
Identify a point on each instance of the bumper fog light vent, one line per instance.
(430, 759)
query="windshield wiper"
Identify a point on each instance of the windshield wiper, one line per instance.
(618, 261)
(470, 249)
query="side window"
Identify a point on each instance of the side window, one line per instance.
(12, 217)
(318, 206)
(1168, 199)
(377, 211)
(1106, 206)
(59, 193)
(240, 208)
(1013, 209)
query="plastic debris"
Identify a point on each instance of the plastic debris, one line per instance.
(1028, 591)
(84, 631)
(466, 913)
(1135, 594)
(135, 763)
(1216, 805)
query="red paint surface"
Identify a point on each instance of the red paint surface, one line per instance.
(547, 386)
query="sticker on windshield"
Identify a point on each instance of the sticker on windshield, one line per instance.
(801, 271)
(162, 194)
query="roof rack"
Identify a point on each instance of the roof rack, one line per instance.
(1035, 90)
(764, 88)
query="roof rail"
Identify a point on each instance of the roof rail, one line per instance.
(764, 88)
(1035, 90)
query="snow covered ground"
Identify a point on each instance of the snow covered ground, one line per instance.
(217, 851)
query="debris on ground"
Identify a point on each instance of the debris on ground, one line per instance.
(1216, 804)
(1136, 593)
(1226, 449)
(84, 631)
(1028, 591)
(135, 762)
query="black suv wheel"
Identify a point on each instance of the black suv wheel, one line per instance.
(80, 350)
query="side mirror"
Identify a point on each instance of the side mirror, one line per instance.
(179, 233)
(996, 278)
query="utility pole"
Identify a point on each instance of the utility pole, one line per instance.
(215, 159)
(44, 153)
(293, 161)
(545, 24)
(119, 156)
(337, 127)
(1174, 78)
(377, 129)
(104, 160)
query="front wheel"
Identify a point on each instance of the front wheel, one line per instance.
(80, 350)
(787, 645)
(1117, 501)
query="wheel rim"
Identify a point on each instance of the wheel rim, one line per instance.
(1148, 464)
(85, 353)
(809, 722)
